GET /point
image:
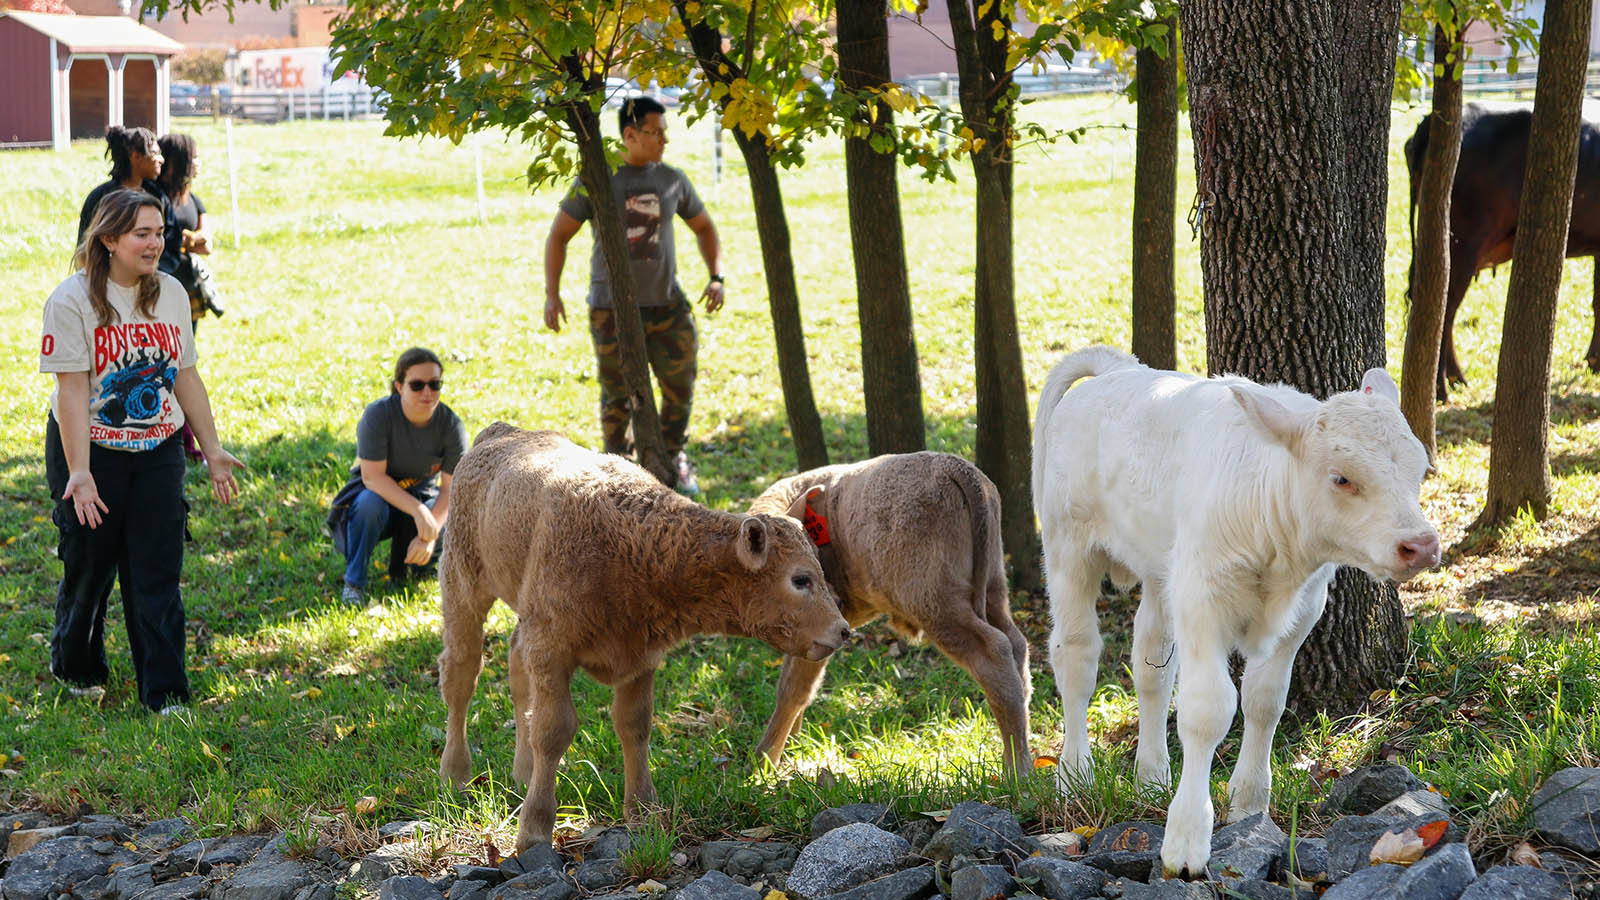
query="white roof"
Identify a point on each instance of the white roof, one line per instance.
(97, 34)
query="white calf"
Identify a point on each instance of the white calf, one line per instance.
(1232, 503)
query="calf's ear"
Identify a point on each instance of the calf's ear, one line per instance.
(1275, 420)
(797, 509)
(1377, 381)
(751, 545)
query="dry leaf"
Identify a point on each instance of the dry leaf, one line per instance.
(1525, 855)
(1085, 831)
(310, 693)
(775, 895)
(367, 805)
(1045, 762)
(652, 886)
(1432, 832)
(1402, 848)
(759, 834)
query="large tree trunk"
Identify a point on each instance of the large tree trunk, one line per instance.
(596, 178)
(1290, 114)
(1430, 252)
(772, 227)
(1519, 449)
(891, 382)
(1004, 440)
(1155, 187)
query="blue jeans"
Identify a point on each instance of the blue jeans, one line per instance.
(371, 519)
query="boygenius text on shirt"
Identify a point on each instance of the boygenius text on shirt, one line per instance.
(132, 362)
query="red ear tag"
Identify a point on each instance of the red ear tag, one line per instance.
(1366, 390)
(816, 526)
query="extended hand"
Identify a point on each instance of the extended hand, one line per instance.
(554, 313)
(714, 294)
(220, 463)
(85, 497)
(419, 552)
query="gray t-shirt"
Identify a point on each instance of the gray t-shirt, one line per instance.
(648, 197)
(415, 455)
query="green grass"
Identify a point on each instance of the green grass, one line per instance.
(353, 246)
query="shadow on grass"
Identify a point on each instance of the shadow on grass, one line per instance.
(1474, 424)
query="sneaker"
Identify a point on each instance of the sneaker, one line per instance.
(94, 692)
(352, 595)
(687, 484)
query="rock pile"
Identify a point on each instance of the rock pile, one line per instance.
(857, 852)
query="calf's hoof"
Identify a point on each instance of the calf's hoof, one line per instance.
(1181, 861)
(454, 769)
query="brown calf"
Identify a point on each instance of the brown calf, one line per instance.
(607, 569)
(916, 537)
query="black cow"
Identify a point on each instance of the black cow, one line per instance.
(1483, 208)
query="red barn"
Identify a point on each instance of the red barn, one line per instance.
(70, 76)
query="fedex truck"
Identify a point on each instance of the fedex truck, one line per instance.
(292, 69)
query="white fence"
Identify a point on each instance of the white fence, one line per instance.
(284, 106)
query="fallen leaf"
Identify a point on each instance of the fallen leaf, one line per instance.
(759, 834)
(1432, 832)
(775, 894)
(310, 693)
(1402, 848)
(367, 805)
(652, 886)
(1525, 855)
(1045, 762)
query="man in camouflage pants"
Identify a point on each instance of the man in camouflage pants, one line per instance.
(650, 195)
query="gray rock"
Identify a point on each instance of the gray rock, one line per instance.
(537, 858)
(1137, 837)
(1416, 803)
(948, 845)
(54, 866)
(404, 829)
(22, 840)
(1350, 839)
(468, 889)
(1131, 864)
(110, 828)
(408, 887)
(1253, 889)
(1308, 862)
(162, 834)
(602, 872)
(197, 857)
(96, 888)
(1251, 831)
(1244, 864)
(541, 884)
(479, 873)
(906, 884)
(993, 831)
(1061, 844)
(317, 890)
(918, 832)
(21, 820)
(1160, 890)
(381, 864)
(871, 813)
(844, 858)
(1060, 879)
(1367, 884)
(129, 880)
(981, 883)
(1516, 883)
(1566, 810)
(716, 886)
(1367, 789)
(611, 844)
(189, 887)
(1442, 875)
(750, 859)
(268, 876)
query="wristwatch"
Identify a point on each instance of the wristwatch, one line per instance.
(717, 278)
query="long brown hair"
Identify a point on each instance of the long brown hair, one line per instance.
(117, 215)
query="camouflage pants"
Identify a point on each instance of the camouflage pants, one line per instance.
(671, 345)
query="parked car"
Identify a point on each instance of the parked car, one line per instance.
(189, 99)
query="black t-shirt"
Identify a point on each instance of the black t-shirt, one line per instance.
(91, 203)
(186, 215)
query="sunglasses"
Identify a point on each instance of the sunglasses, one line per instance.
(417, 384)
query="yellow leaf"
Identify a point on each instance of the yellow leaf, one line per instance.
(775, 894)
(310, 693)
(1045, 762)
(210, 754)
(1085, 831)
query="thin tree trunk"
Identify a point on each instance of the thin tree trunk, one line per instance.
(1430, 254)
(783, 298)
(1289, 105)
(891, 382)
(1155, 187)
(596, 178)
(1004, 440)
(772, 227)
(1519, 449)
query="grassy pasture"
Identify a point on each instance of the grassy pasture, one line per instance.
(352, 246)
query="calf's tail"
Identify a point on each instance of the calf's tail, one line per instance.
(1084, 363)
(1416, 147)
(985, 530)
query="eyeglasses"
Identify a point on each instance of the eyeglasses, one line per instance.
(417, 384)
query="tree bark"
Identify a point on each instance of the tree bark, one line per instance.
(1004, 440)
(891, 382)
(1289, 105)
(1430, 254)
(595, 175)
(1519, 449)
(1155, 187)
(777, 259)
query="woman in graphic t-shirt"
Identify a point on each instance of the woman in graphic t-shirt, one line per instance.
(118, 340)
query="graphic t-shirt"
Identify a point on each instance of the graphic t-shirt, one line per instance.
(133, 363)
(648, 197)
